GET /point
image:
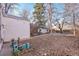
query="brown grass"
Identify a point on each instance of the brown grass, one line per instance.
(52, 45)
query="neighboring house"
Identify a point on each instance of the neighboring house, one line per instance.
(13, 27)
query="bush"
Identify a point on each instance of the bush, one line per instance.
(16, 53)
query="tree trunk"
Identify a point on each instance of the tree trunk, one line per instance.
(50, 18)
(61, 31)
(74, 29)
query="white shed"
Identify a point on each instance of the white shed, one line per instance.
(14, 27)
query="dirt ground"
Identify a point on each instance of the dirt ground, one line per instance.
(47, 45)
(52, 45)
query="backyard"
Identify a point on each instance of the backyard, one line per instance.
(48, 45)
(39, 29)
(52, 45)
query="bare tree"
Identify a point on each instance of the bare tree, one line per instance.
(25, 15)
(70, 10)
(60, 24)
(49, 11)
(9, 6)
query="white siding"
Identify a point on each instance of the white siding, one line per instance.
(14, 28)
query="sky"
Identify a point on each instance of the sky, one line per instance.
(59, 6)
(27, 6)
(30, 7)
